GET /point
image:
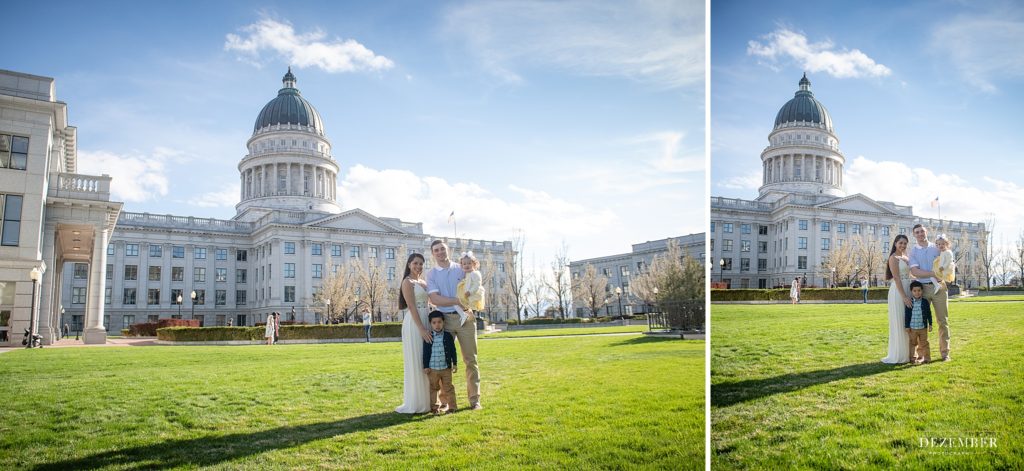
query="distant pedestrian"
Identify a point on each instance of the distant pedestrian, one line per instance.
(367, 322)
(268, 332)
(277, 326)
(864, 288)
(231, 322)
(67, 330)
(794, 291)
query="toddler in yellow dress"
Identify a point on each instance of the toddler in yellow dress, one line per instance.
(470, 289)
(944, 267)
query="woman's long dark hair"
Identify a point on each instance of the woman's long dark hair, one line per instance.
(401, 298)
(888, 270)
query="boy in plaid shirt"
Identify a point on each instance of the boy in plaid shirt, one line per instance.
(439, 362)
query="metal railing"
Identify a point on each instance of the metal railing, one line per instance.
(682, 316)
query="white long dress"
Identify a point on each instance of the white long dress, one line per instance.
(416, 394)
(899, 341)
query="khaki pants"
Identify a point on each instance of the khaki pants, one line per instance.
(919, 347)
(441, 382)
(465, 334)
(940, 307)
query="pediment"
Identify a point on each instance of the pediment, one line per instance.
(857, 202)
(355, 219)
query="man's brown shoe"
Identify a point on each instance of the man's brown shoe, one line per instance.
(476, 406)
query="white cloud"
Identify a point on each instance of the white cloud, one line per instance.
(136, 177)
(749, 181)
(983, 48)
(225, 198)
(815, 57)
(310, 49)
(479, 213)
(659, 42)
(961, 199)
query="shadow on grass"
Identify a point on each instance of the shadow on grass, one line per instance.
(211, 450)
(727, 394)
(644, 339)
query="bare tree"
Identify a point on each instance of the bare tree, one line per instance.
(373, 284)
(591, 289)
(988, 254)
(515, 273)
(340, 287)
(558, 283)
(1017, 257)
(870, 255)
(534, 295)
(840, 261)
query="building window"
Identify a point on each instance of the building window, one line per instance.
(501, 267)
(727, 228)
(78, 295)
(10, 220)
(240, 297)
(131, 250)
(177, 273)
(353, 251)
(129, 296)
(240, 275)
(885, 231)
(178, 251)
(153, 298)
(175, 294)
(154, 273)
(81, 271)
(802, 224)
(744, 246)
(801, 243)
(841, 227)
(108, 295)
(289, 294)
(727, 245)
(289, 270)
(199, 275)
(373, 252)
(240, 256)
(826, 244)
(855, 228)
(289, 248)
(110, 250)
(131, 272)
(762, 246)
(826, 226)
(13, 152)
(712, 226)
(110, 272)
(728, 264)
(712, 245)
(389, 253)
(317, 249)
(335, 250)
(200, 297)
(744, 264)
(221, 275)
(199, 253)
(744, 228)
(127, 320)
(222, 297)
(762, 229)
(222, 254)
(391, 273)
(318, 270)
(156, 251)
(762, 264)
(801, 262)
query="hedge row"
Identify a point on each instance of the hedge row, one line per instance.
(1001, 288)
(806, 294)
(148, 329)
(570, 320)
(287, 332)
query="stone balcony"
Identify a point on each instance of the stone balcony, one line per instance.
(80, 187)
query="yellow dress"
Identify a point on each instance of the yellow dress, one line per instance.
(944, 267)
(473, 283)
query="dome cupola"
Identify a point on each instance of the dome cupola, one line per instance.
(804, 109)
(289, 108)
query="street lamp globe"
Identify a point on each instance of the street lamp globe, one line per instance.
(179, 299)
(193, 295)
(35, 274)
(618, 291)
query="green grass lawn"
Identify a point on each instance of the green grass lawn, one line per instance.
(993, 298)
(801, 387)
(562, 403)
(567, 331)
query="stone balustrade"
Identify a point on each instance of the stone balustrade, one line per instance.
(78, 186)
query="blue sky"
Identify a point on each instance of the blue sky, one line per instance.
(579, 122)
(925, 97)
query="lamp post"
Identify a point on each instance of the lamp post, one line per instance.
(721, 270)
(618, 293)
(33, 275)
(193, 295)
(328, 302)
(179, 305)
(62, 323)
(833, 277)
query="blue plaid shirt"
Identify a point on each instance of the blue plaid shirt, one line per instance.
(917, 315)
(437, 352)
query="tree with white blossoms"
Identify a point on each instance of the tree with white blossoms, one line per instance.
(677, 276)
(372, 281)
(591, 289)
(558, 283)
(340, 287)
(840, 261)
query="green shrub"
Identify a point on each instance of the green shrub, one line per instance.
(806, 294)
(125, 332)
(550, 320)
(287, 332)
(148, 329)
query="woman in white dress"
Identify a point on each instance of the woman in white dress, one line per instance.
(268, 332)
(794, 291)
(413, 303)
(897, 271)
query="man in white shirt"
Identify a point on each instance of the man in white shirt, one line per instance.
(367, 322)
(442, 283)
(922, 256)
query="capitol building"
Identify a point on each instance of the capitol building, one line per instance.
(71, 256)
(802, 213)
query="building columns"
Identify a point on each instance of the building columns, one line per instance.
(94, 331)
